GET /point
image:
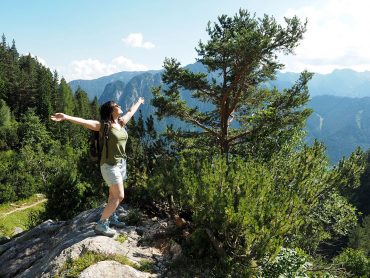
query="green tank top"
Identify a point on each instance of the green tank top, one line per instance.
(117, 139)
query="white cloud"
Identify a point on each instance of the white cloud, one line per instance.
(128, 64)
(336, 37)
(93, 68)
(137, 40)
(42, 61)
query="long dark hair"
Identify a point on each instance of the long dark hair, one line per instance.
(106, 111)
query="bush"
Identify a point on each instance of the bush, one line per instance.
(354, 261)
(288, 263)
(134, 217)
(68, 196)
(8, 137)
(32, 132)
(7, 193)
(251, 208)
(35, 218)
(360, 237)
(7, 189)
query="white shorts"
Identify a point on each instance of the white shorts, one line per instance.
(114, 174)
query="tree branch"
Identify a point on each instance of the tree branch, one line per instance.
(216, 244)
(245, 133)
(196, 122)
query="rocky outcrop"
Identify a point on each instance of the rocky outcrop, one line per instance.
(111, 269)
(45, 250)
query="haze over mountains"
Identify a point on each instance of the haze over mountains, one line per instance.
(340, 100)
(342, 83)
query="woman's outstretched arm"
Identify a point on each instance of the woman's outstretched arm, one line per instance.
(132, 111)
(90, 124)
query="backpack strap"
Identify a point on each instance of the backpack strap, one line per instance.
(106, 137)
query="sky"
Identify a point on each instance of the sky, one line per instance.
(87, 39)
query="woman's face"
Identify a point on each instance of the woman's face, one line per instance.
(117, 109)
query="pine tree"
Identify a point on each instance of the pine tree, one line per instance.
(360, 196)
(3, 41)
(23, 84)
(14, 50)
(239, 57)
(45, 87)
(5, 66)
(95, 109)
(55, 90)
(65, 100)
(82, 108)
(5, 115)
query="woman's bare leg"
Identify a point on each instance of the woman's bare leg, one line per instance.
(116, 195)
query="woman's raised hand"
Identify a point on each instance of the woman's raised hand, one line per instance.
(58, 117)
(141, 100)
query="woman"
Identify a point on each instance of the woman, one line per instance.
(113, 162)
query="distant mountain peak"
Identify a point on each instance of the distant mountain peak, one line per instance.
(340, 82)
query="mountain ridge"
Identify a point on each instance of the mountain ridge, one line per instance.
(95, 87)
(340, 82)
(340, 121)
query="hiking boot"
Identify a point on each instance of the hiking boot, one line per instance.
(114, 221)
(102, 228)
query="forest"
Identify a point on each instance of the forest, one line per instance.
(260, 201)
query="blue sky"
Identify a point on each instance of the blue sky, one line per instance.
(91, 38)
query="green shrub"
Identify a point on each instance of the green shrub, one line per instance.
(250, 208)
(8, 137)
(146, 266)
(68, 196)
(288, 263)
(354, 261)
(35, 217)
(5, 114)
(122, 238)
(134, 217)
(360, 237)
(7, 193)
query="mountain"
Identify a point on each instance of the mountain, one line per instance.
(341, 123)
(126, 94)
(112, 91)
(95, 87)
(343, 83)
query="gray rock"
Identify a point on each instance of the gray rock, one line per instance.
(175, 250)
(112, 269)
(17, 230)
(42, 251)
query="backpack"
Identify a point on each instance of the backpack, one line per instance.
(96, 143)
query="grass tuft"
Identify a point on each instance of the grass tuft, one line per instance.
(122, 238)
(146, 266)
(73, 268)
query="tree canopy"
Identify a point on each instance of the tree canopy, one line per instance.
(240, 55)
